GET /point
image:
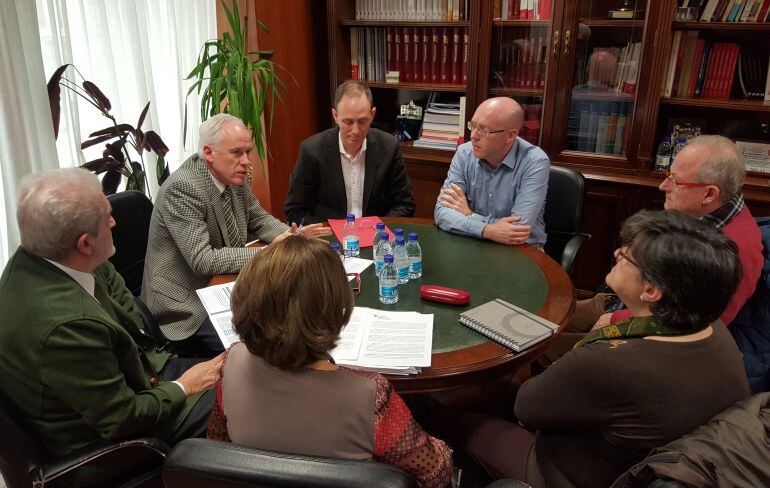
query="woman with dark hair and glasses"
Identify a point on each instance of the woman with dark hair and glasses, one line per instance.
(280, 389)
(634, 385)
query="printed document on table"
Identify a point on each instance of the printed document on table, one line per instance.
(356, 265)
(216, 301)
(386, 341)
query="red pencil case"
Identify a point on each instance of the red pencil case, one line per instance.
(442, 294)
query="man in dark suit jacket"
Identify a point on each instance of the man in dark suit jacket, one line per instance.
(75, 358)
(349, 169)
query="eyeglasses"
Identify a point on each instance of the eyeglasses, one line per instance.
(621, 253)
(481, 130)
(355, 282)
(670, 177)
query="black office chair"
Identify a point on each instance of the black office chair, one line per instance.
(132, 211)
(201, 463)
(25, 463)
(563, 210)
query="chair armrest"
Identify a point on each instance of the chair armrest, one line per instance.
(202, 462)
(114, 458)
(571, 249)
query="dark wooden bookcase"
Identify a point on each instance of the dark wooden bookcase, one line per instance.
(618, 183)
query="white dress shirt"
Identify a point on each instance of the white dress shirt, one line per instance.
(353, 168)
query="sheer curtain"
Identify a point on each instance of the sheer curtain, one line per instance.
(26, 131)
(135, 51)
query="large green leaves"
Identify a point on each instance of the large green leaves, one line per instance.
(233, 80)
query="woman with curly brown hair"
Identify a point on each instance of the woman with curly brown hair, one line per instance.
(281, 390)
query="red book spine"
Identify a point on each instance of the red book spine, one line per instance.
(719, 73)
(545, 9)
(456, 56)
(730, 74)
(389, 58)
(462, 10)
(445, 68)
(425, 58)
(679, 58)
(522, 9)
(397, 63)
(416, 58)
(695, 68)
(406, 43)
(435, 55)
(516, 10)
(512, 8)
(466, 50)
(763, 11)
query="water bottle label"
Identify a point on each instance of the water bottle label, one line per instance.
(415, 267)
(387, 291)
(662, 163)
(351, 245)
(403, 272)
(378, 266)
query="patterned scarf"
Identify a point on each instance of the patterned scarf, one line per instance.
(633, 327)
(724, 214)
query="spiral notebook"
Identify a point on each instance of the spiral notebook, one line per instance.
(508, 324)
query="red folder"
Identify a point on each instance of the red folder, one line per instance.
(366, 228)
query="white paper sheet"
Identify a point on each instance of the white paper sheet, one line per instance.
(216, 301)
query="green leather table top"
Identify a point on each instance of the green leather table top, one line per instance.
(485, 269)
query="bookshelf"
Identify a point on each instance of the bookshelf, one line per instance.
(567, 80)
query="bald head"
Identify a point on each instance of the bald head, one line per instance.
(505, 112)
(499, 119)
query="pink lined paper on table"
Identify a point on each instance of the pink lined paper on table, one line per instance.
(366, 228)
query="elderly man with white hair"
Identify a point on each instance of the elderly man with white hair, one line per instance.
(75, 358)
(204, 215)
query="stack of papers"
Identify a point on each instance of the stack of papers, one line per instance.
(387, 342)
(216, 301)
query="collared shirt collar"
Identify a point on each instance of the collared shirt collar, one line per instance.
(342, 148)
(85, 280)
(509, 159)
(724, 214)
(217, 183)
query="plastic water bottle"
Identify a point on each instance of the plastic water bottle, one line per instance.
(388, 281)
(379, 228)
(401, 261)
(336, 248)
(383, 248)
(414, 252)
(350, 237)
(680, 143)
(663, 156)
(396, 234)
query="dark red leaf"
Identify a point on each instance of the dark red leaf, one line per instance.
(141, 117)
(110, 182)
(97, 140)
(115, 149)
(97, 95)
(102, 164)
(155, 142)
(54, 97)
(115, 129)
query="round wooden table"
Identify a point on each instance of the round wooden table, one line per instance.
(524, 276)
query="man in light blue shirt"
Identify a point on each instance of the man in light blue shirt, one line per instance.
(497, 182)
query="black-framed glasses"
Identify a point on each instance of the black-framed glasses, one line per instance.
(355, 282)
(621, 253)
(481, 130)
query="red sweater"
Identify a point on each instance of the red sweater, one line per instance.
(743, 230)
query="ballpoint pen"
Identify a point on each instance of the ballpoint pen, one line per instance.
(299, 227)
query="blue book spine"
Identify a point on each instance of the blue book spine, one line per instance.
(704, 63)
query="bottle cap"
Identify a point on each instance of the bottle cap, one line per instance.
(383, 235)
(400, 240)
(380, 226)
(335, 246)
(413, 236)
(351, 217)
(388, 258)
(399, 232)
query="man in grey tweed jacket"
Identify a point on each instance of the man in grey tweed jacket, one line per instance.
(193, 236)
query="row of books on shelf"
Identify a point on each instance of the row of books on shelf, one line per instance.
(521, 62)
(735, 11)
(699, 68)
(599, 127)
(612, 69)
(437, 55)
(521, 9)
(439, 10)
(443, 124)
